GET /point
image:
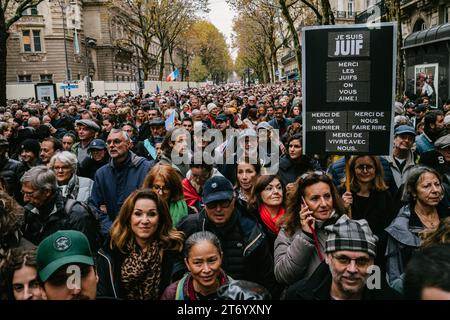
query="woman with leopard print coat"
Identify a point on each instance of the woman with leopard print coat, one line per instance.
(138, 261)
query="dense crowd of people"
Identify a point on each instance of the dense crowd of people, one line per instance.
(205, 194)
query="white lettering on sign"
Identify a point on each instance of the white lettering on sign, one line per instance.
(348, 47)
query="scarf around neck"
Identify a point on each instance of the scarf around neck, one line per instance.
(269, 221)
(141, 271)
(178, 210)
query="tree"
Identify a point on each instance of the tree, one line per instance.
(253, 49)
(10, 12)
(170, 18)
(140, 34)
(209, 44)
(393, 14)
(198, 71)
(265, 15)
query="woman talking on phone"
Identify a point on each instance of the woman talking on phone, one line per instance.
(312, 204)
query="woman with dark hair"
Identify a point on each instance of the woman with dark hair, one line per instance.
(369, 199)
(423, 212)
(176, 152)
(293, 164)
(22, 281)
(267, 204)
(246, 175)
(203, 258)
(108, 123)
(312, 204)
(138, 263)
(165, 181)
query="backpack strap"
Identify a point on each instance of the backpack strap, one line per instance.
(151, 150)
(69, 205)
(179, 294)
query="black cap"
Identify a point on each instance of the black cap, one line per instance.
(217, 188)
(31, 145)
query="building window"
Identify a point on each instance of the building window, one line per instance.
(24, 78)
(47, 78)
(33, 11)
(123, 78)
(350, 7)
(447, 15)
(31, 40)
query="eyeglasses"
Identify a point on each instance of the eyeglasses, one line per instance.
(28, 194)
(65, 168)
(222, 203)
(116, 142)
(157, 188)
(366, 167)
(361, 262)
(200, 177)
(312, 174)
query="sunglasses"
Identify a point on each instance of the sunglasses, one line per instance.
(222, 203)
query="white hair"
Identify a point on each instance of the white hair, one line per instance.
(65, 157)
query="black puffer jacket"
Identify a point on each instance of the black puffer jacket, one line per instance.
(42, 222)
(247, 253)
(11, 171)
(290, 170)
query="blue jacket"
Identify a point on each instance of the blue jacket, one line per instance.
(424, 144)
(113, 184)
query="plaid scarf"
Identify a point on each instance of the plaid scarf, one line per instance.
(141, 272)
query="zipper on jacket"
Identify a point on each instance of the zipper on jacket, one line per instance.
(110, 272)
(251, 243)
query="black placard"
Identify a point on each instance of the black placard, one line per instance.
(348, 85)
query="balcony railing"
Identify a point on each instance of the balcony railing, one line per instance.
(378, 7)
(288, 57)
(344, 14)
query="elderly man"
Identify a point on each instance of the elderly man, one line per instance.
(60, 256)
(403, 158)
(34, 122)
(246, 252)
(86, 130)
(350, 249)
(45, 212)
(115, 181)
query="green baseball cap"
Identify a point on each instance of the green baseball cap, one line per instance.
(61, 248)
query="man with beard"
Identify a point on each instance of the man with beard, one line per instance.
(433, 129)
(66, 266)
(350, 249)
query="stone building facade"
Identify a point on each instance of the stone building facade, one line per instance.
(36, 44)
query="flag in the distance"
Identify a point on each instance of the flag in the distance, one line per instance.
(173, 76)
